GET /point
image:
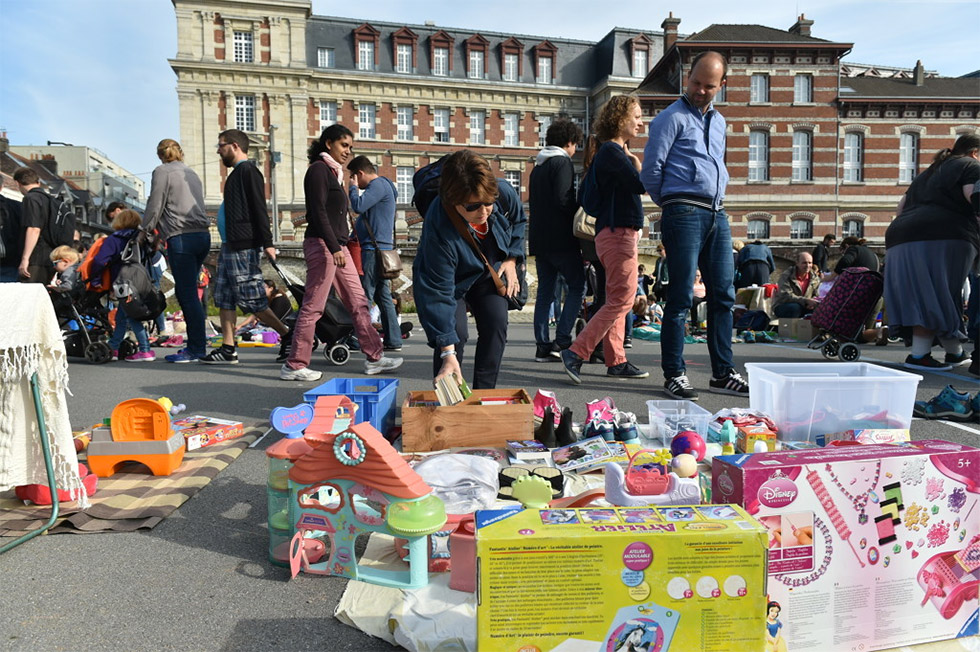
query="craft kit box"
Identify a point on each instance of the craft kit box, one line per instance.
(200, 431)
(489, 417)
(624, 578)
(870, 547)
(796, 329)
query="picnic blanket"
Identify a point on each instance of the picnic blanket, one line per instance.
(130, 500)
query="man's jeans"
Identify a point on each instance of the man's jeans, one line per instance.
(185, 255)
(378, 290)
(548, 266)
(789, 310)
(697, 238)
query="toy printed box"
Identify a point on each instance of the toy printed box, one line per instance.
(200, 431)
(625, 578)
(870, 547)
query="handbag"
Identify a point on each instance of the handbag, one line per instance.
(583, 225)
(515, 302)
(391, 262)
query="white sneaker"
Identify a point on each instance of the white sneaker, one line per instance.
(288, 373)
(382, 365)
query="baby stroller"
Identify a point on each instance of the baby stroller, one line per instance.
(842, 314)
(334, 329)
(85, 325)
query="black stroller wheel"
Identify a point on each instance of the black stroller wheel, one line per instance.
(127, 348)
(98, 353)
(337, 354)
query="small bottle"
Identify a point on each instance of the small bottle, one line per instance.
(727, 438)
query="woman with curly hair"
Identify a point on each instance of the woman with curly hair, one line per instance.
(617, 232)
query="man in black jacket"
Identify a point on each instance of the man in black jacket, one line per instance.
(35, 261)
(243, 223)
(552, 204)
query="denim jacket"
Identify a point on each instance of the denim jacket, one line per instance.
(685, 155)
(446, 266)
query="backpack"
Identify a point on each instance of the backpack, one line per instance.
(589, 197)
(85, 269)
(426, 184)
(133, 287)
(61, 223)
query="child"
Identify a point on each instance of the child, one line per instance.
(126, 224)
(66, 261)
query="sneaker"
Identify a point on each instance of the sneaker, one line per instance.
(285, 342)
(573, 365)
(602, 408)
(948, 404)
(115, 355)
(679, 387)
(394, 348)
(141, 356)
(626, 370)
(624, 428)
(181, 357)
(381, 365)
(547, 353)
(599, 428)
(957, 360)
(732, 383)
(975, 365)
(174, 342)
(304, 374)
(748, 337)
(975, 404)
(544, 399)
(925, 362)
(221, 356)
(628, 343)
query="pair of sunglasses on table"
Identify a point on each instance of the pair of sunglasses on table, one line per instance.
(510, 474)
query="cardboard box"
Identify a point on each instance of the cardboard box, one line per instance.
(200, 431)
(678, 578)
(796, 329)
(427, 426)
(866, 436)
(870, 547)
(748, 436)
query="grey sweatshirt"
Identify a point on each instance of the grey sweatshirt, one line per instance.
(176, 203)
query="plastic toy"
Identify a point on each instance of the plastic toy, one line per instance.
(728, 438)
(648, 479)
(680, 491)
(169, 406)
(140, 432)
(951, 579)
(690, 442)
(684, 465)
(291, 422)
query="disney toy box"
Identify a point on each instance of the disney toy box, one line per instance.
(620, 578)
(200, 431)
(870, 546)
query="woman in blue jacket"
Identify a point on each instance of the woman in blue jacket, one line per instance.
(451, 277)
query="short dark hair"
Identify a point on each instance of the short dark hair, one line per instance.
(465, 174)
(713, 54)
(26, 177)
(830, 237)
(362, 164)
(562, 132)
(236, 136)
(116, 205)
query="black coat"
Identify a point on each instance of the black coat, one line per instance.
(552, 205)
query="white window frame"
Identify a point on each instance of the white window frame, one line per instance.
(759, 88)
(403, 57)
(802, 155)
(908, 156)
(475, 69)
(512, 127)
(245, 113)
(641, 61)
(244, 46)
(544, 72)
(403, 182)
(801, 228)
(511, 66)
(440, 125)
(328, 114)
(857, 233)
(544, 122)
(365, 55)
(405, 117)
(751, 234)
(478, 127)
(325, 58)
(513, 177)
(758, 155)
(803, 88)
(853, 156)
(366, 114)
(440, 61)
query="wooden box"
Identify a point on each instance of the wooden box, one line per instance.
(434, 427)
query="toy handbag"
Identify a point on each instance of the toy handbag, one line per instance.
(648, 479)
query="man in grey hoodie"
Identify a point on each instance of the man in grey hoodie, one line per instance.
(552, 205)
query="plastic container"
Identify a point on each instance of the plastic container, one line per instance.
(375, 398)
(807, 399)
(667, 418)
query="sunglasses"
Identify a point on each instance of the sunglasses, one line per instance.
(469, 208)
(508, 475)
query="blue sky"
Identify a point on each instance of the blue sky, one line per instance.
(95, 72)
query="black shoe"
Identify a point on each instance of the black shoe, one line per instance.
(285, 342)
(573, 365)
(731, 383)
(221, 356)
(975, 364)
(564, 434)
(679, 387)
(406, 328)
(958, 360)
(395, 347)
(598, 355)
(628, 343)
(547, 353)
(545, 433)
(626, 370)
(926, 362)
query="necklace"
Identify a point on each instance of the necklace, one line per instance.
(860, 501)
(828, 553)
(481, 229)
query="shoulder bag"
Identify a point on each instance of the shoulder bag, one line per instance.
(515, 302)
(391, 262)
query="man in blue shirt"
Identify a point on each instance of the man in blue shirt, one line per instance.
(373, 197)
(684, 172)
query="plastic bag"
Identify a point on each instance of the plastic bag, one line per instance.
(465, 483)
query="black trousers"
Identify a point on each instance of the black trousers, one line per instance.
(490, 313)
(753, 272)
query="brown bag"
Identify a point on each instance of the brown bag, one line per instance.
(391, 262)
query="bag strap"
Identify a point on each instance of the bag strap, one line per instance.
(370, 233)
(464, 231)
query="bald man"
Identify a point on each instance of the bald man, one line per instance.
(684, 172)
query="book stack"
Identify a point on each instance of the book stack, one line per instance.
(528, 451)
(451, 390)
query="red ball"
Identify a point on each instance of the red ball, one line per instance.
(690, 442)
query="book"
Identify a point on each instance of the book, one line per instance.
(584, 455)
(523, 449)
(451, 390)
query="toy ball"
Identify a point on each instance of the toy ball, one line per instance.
(684, 465)
(689, 442)
(166, 403)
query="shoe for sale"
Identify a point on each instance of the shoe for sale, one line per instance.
(573, 365)
(975, 404)
(626, 370)
(382, 365)
(221, 355)
(732, 383)
(141, 356)
(547, 353)
(748, 337)
(679, 387)
(764, 336)
(599, 428)
(545, 399)
(564, 434)
(926, 362)
(948, 404)
(602, 408)
(304, 374)
(545, 431)
(954, 360)
(625, 430)
(173, 342)
(181, 357)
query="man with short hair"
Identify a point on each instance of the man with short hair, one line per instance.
(684, 172)
(821, 253)
(373, 197)
(796, 289)
(243, 223)
(552, 205)
(11, 239)
(35, 257)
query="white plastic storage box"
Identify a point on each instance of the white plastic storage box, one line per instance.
(807, 399)
(667, 418)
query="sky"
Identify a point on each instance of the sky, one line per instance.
(95, 72)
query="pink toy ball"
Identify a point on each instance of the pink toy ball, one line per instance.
(690, 442)
(684, 465)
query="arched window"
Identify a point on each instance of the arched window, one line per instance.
(757, 229)
(801, 229)
(853, 227)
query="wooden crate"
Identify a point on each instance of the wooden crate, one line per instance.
(430, 428)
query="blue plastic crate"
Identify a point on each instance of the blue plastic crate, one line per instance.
(375, 398)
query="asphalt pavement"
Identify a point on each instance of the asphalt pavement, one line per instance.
(201, 581)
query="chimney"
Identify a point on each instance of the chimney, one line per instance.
(919, 73)
(670, 30)
(802, 26)
(4, 143)
(49, 163)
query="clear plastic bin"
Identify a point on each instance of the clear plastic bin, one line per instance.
(667, 418)
(807, 399)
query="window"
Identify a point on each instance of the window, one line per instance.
(478, 121)
(759, 88)
(640, 62)
(325, 58)
(365, 120)
(365, 55)
(544, 122)
(722, 94)
(758, 155)
(908, 157)
(802, 156)
(510, 67)
(440, 123)
(544, 70)
(245, 112)
(405, 116)
(801, 229)
(403, 183)
(513, 177)
(803, 89)
(243, 47)
(403, 57)
(328, 114)
(440, 61)
(853, 228)
(511, 127)
(476, 65)
(757, 230)
(655, 224)
(853, 156)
